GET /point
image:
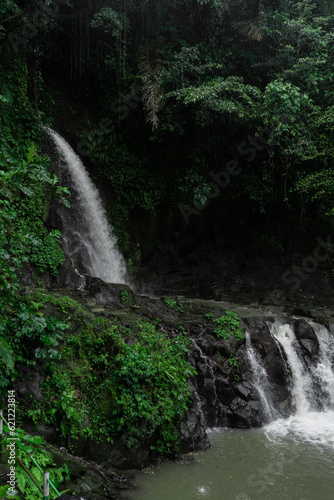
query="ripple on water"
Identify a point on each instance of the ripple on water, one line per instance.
(203, 491)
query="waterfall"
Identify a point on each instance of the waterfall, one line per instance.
(87, 237)
(308, 382)
(260, 380)
(301, 381)
(324, 368)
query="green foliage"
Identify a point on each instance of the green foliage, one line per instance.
(26, 189)
(303, 53)
(188, 66)
(3, 493)
(109, 20)
(316, 184)
(232, 361)
(170, 302)
(208, 315)
(285, 108)
(23, 236)
(26, 336)
(151, 94)
(50, 254)
(173, 304)
(224, 96)
(213, 75)
(129, 175)
(109, 384)
(228, 325)
(29, 448)
(153, 375)
(206, 86)
(125, 297)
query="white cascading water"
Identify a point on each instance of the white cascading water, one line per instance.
(260, 381)
(308, 423)
(87, 232)
(301, 382)
(324, 368)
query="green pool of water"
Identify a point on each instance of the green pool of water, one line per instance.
(286, 460)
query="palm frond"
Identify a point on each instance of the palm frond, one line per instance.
(252, 28)
(151, 78)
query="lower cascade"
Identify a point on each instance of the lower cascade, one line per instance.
(261, 380)
(310, 374)
(87, 236)
(285, 381)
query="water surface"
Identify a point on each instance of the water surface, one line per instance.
(288, 459)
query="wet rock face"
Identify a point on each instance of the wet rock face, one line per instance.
(91, 481)
(223, 395)
(192, 431)
(308, 341)
(242, 414)
(30, 384)
(225, 387)
(303, 330)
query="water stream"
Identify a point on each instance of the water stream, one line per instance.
(87, 236)
(260, 380)
(324, 368)
(301, 384)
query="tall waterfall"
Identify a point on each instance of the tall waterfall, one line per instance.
(87, 237)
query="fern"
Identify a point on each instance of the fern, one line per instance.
(27, 486)
(31, 153)
(21, 481)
